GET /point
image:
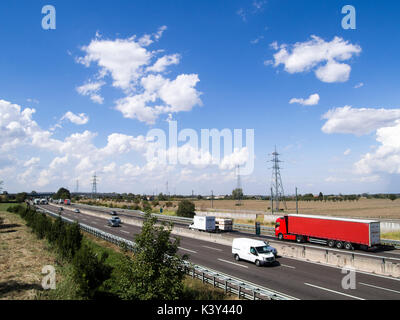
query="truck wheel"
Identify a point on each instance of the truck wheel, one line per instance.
(331, 243)
(237, 258)
(280, 236)
(348, 246)
(299, 239)
(258, 263)
(339, 245)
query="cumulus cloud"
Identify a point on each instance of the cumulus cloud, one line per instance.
(358, 121)
(312, 100)
(78, 119)
(347, 152)
(386, 158)
(322, 57)
(91, 89)
(141, 75)
(361, 121)
(76, 156)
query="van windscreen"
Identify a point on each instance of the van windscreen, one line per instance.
(263, 249)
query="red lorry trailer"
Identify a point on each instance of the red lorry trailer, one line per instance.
(332, 231)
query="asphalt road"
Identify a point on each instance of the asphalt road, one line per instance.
(299, 279)
(384, 252)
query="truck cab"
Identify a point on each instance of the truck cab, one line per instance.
(281, 229)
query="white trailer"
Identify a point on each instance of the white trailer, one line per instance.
(224, 224)
(203, 223)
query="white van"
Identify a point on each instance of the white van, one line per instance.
(252, 250)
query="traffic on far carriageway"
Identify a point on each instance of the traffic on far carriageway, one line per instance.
(331, 231)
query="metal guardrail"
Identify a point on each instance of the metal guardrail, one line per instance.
(230, 284)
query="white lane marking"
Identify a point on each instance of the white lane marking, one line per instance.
(284, 265)
(187, 250)
(125, 231)
(212, 248)
(343, 294)
(94, 222)
(370, 285)
(236, 264)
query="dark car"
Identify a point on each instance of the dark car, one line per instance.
(113, 213)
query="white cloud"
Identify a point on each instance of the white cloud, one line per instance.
(161, 96)
(91, 89)
(386, 123)
(386, 158)
(347, 152)
(136, 71)
(312, 100)
(237, 158)
(325, 58)
(358, 121)
(78, 119)
(31, 162)
(333, 72)
(162, 63)
(359, 85)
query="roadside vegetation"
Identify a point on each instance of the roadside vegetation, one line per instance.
(89, 268)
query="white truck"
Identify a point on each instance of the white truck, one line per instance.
(256, 251)
(203, 223)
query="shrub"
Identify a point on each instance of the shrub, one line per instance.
(186, 208)
(90, 272)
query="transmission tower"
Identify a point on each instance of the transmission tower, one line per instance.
(77, 186)
(238, 187)
(94, 185)
(277, 192)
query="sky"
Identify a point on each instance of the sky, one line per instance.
(90, 86)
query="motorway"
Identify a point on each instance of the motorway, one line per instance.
(385, 252)
(298, 279)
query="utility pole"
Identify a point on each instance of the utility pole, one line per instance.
(277, 192)
(212, 199)
(297, 203)
(94, 185)
(238, 187)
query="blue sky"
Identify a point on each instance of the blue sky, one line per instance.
(221, 64)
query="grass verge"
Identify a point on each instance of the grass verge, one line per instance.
(23, 255)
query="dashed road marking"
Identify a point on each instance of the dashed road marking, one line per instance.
(337, 292)
(236, 264)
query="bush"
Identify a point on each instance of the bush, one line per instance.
(186, 208)
(90, 272)
(156, 270)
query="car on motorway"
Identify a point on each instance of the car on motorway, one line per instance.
(77, 211)
(252, 250)
(113, 213)
(114, 222)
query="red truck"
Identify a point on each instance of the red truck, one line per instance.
(331, 231)
(67, 202)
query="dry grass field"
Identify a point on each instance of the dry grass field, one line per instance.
(365, 208)
(22, 257)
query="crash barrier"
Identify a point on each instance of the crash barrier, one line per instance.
(243, 289)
